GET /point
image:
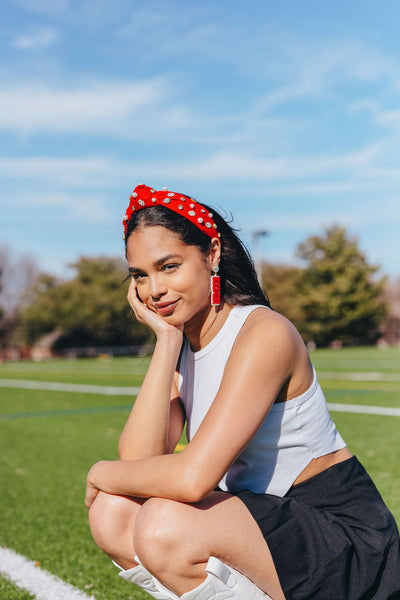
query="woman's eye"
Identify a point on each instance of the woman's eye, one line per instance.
(170, 267)
(137, 276)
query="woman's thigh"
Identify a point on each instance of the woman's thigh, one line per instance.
(174, 540)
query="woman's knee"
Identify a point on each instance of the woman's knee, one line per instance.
(111, 517)
(159, 533)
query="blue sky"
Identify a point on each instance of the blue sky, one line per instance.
(286, 114)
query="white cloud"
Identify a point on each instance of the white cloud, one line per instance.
(303, 222)
(318, 70)
(44, 7)
(388, 118)
(41, 39)
(91, 14)
(328, 187)
(63, 171)
(89, 207)
(344, 172)
(100, 107)
(237, 166)
(348, 216)
(368, 105)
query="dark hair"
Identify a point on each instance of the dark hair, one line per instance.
(239, 283)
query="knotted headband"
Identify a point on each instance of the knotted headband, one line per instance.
(144, 197)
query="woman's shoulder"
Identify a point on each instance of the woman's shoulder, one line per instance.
(270, 350)
(265, 318)
(269, 330)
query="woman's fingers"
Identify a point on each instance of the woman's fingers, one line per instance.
(132, 293)
(91, 494)
(147, 316)
(137, 305)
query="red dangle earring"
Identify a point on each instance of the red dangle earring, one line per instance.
(215, 287)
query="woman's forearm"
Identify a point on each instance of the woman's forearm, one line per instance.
(167, 476)
(146, 431)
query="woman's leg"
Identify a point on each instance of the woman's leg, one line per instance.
(174, 541)
(112, 522)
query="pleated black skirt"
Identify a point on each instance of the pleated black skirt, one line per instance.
(331, 537)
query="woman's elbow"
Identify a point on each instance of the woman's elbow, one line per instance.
(195, 486)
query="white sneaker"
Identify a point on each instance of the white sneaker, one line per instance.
(145, 580)
(225, 583)
(222, 583)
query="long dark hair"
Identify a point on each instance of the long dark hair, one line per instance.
(239, 283)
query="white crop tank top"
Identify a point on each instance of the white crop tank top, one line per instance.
(293, 433)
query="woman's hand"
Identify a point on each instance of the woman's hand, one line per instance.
(92, 488)
(149, 317)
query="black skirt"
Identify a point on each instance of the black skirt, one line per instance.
(331, 537)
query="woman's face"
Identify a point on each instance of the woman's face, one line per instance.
(173, 279)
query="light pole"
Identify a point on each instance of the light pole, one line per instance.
(256, 235)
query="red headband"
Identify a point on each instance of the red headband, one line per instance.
(144, 196)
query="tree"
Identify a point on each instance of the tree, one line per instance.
(390, 329)
(90, 309)
(17, 274)
(339, 295)
(281, 283)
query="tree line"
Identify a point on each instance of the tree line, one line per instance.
(334, 295)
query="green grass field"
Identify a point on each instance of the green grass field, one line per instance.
(49, 440)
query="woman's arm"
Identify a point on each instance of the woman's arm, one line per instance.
(156, 415)
(268, 357)
(147, 430)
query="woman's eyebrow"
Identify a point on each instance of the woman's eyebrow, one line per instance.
(161, 261)
(156, 263)
(133, 270)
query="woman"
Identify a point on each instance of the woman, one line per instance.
(266, 500)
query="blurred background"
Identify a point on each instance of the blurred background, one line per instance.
(284, 115)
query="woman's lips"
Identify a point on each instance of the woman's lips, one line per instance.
(166, 308)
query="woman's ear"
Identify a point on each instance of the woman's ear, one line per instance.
(214, 255)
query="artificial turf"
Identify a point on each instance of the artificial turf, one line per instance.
(49, 440)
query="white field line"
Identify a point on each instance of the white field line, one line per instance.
(364, 410)
(366, 376)
(69, 387)
(133, 391)
(38, 582)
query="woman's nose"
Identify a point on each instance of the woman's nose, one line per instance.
(157, 287)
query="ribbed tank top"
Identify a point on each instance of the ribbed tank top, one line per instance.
(293, 433)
